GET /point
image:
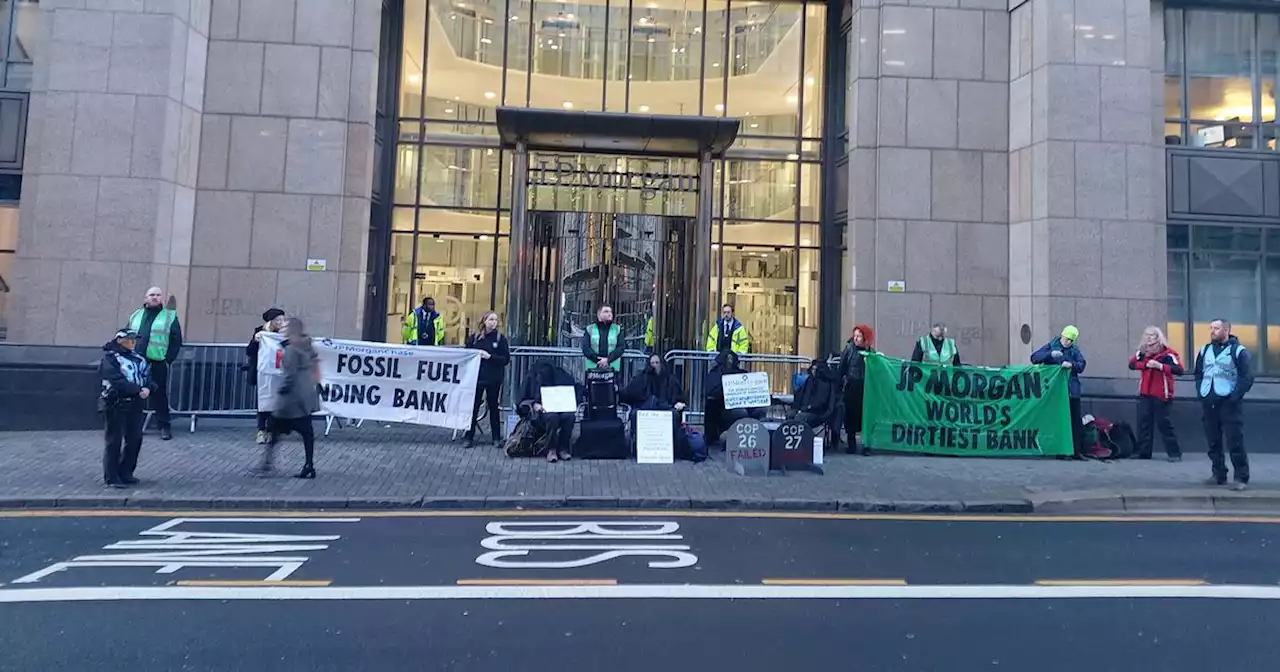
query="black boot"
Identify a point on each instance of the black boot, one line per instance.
(308, 471)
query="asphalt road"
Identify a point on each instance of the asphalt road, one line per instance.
(488, 592)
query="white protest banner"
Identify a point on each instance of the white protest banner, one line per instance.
(746, 390)
(655, 439)
(560, 399)
(418, 385)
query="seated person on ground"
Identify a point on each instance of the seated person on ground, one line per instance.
(817, 402)
(543, 375)
(717, 420)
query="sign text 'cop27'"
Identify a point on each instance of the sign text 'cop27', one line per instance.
(962, 410)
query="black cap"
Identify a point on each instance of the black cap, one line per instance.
(271, 314)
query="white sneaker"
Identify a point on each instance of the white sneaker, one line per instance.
(262, 437)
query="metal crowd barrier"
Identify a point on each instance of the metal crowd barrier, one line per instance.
(211, 379)
(692, 367)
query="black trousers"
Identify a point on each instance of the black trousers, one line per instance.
(562, 424)
(853, 391)
(1077, 430)
(281, 426)
(264, 420)
(123, 430)
(1222, 416)
(1153, 414)
(488, 394)
(159, 399)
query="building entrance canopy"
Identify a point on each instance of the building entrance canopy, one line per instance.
(525, 130)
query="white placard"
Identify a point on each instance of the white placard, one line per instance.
(655, 439)
(817, 448)
(560, 399)
(389, 383)
(746, 390)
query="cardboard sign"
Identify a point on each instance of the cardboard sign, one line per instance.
(746, 390)
(791, 446)
(655, 437)
(560, 399)
(747, 448)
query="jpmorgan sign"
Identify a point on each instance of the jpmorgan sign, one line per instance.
(604, 176)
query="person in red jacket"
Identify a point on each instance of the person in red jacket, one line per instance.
(1159, 364)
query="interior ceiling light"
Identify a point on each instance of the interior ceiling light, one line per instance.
(791, 99)
(808, 81)
(568, 105)
(719, 107)
(644, 108)
(448, 110)
(490, 95)
(414, 78)
(715, 65)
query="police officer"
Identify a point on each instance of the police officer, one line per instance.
(159, 341)
(728, 334)
(936, 347)
(1224, 375)
(125, 386)
(423, 325)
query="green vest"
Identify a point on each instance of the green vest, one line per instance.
(593, 333)
(931, 353)
(158, 341)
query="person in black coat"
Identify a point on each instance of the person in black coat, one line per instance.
(545, 374)
(126, 384)
(494, 355)
(817, 403)
(717, 419)
(272, 322)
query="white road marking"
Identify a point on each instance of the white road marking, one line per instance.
(630, 592)
(606, 540)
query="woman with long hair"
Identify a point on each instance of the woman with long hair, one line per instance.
(272, 321)
(853, 373)
(1158, 364)
(297, 399)
(494, 355)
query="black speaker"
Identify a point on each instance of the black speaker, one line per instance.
(601, 439)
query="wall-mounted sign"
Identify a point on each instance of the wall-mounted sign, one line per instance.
(604, 176)
(897, 286)
(317, 264)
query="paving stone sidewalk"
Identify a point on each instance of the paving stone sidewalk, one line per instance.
(377, 466)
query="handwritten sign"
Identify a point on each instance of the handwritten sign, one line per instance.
(746, 390)
(747, 448)
(655, 437)
(560, 399)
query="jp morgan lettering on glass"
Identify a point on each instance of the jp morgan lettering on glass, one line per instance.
(583, 176)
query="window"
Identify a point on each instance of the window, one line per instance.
(1220, 78)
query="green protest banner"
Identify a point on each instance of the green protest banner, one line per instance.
(965, 410)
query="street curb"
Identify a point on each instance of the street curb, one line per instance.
(1058, 503)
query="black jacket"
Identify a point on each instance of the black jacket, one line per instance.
(600, 348)
(727, 363)
(853, 366)
(819, 393)
(546, 375)
(492, 369)
(144, 334)
(662, 386)
(124, 373)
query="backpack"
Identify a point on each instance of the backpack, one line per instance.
(527, 440)
(1121, 441)
(1095, 440)
(697, 444)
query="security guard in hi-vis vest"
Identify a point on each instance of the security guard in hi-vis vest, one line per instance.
(936, 348)
(1224, 374)
(602, 344)
(159, 341)
(423, 325)
(728, 334)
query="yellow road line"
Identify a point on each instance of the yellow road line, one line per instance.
(219, 583)
(1121, 582)
(628, 513)
(537, 582)
(834, 582)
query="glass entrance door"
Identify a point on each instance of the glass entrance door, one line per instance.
(640, 265)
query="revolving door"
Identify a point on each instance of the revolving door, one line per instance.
(640, 265)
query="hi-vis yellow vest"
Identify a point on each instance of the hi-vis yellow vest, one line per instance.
(158, 341)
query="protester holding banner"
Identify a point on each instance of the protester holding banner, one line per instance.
(936, 348)
(602, 344)
(544, 378)
(853, 373)
(272, 321)
(1063, 352)
(1159, 364)
(297, 399)
(494, 355)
